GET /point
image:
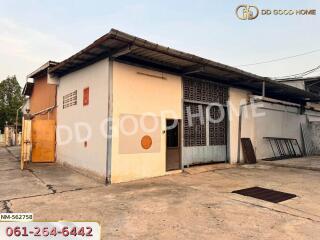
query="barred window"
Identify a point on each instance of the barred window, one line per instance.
(70, 99)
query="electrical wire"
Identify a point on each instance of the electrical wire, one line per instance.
(279, 59)
(299, 75)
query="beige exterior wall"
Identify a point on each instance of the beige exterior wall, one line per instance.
(236, 98)
(137, 91)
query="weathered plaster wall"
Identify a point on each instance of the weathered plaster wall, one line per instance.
(138, 91)
(237, 97)
(274, 120)
(279, 121)
(93, 156)
(43, 96)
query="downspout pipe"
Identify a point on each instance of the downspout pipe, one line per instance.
(109, 123)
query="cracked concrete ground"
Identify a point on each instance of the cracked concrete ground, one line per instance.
(182, 206)
(38, 179)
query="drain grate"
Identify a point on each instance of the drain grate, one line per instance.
(265, 194)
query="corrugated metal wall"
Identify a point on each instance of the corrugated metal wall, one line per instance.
(311, 138)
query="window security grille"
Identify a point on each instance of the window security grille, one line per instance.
(70, 99)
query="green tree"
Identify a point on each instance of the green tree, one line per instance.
(11, 100)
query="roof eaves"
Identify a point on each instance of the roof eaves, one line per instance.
(27, 89)
(121, 36)
(42, 68)
(129, 40)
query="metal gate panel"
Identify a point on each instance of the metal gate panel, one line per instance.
(195, 134)
(217, 131)
(204, 154)
(311, 138)
(43, 140)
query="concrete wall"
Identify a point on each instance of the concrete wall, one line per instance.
(43, 96)
(273, 120)
(237, 97)
(279, 121)
(93, 156)
(137, 91)
(1, 139)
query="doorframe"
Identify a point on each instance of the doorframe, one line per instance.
(179, 144)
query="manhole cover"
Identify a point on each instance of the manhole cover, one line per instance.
(265, 194)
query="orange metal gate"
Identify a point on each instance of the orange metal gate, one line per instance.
(43, 140)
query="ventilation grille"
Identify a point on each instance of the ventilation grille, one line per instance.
(194, 131)
(203, 93)
(70, 99)
(217, 131)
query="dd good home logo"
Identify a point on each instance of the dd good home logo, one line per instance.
(247, 12)
(250, 12)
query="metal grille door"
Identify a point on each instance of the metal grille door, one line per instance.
(204, 140)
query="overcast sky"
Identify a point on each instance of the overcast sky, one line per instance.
(35, 31)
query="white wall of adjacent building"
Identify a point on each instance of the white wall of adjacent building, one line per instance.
(237, 97)
(273, 120)
(90, 156)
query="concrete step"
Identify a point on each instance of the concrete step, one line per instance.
(208, 168)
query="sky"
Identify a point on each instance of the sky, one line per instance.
(35, 31)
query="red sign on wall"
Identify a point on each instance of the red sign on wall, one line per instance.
(86, 96)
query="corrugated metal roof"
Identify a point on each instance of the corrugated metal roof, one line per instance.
(133, 50)
(42, 69)
(307, 79)
(27, 89)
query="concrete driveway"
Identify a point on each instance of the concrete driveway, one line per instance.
(308, 163)
(38, 180)
(183, 206)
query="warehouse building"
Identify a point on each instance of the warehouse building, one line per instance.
(41, 92)
(114, 92)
